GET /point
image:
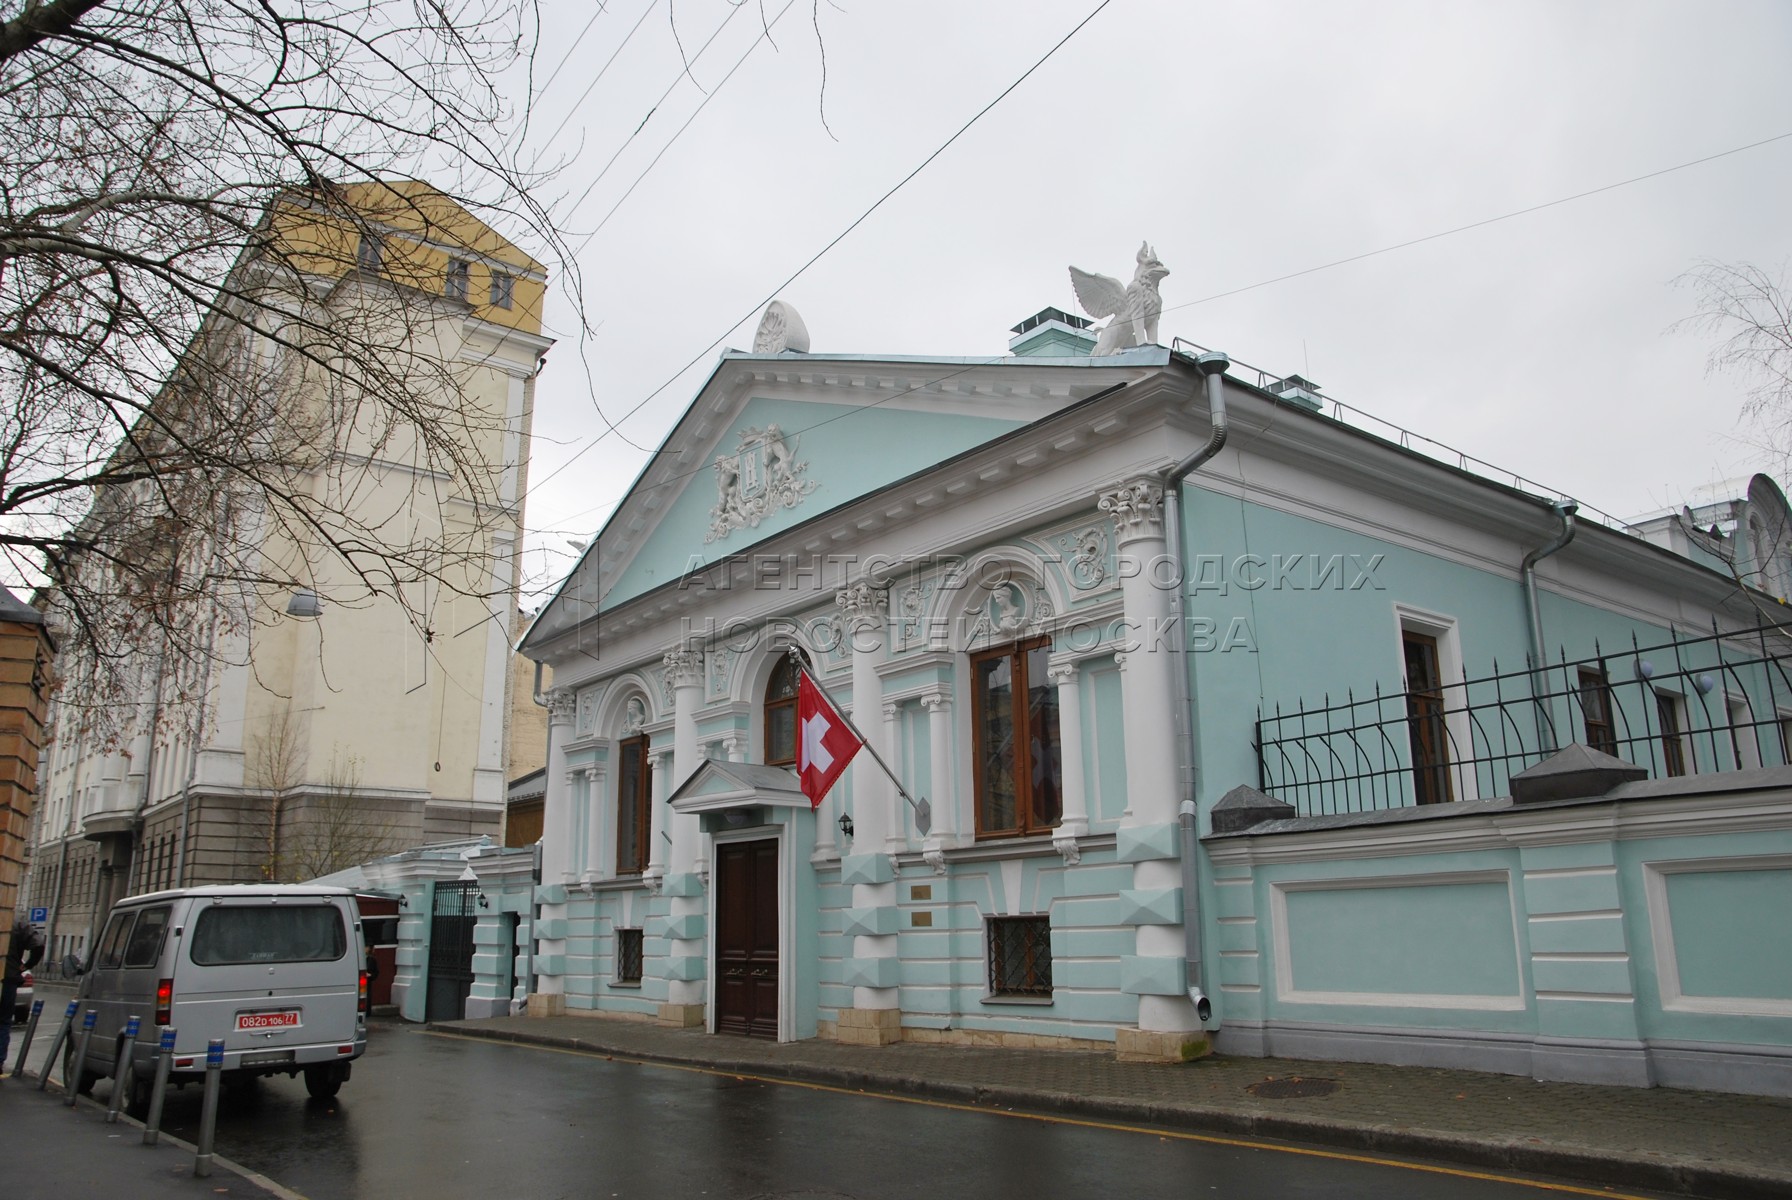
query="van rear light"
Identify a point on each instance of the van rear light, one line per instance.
(345, 1049)
(361, 997)
(164, 1000)
(183, 1063)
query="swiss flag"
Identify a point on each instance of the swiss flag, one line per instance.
(824, 741)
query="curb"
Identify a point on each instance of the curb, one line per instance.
(1694, 1177)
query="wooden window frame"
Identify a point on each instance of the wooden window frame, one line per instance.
(1593, 682)
(1028, 821)
(1427, 722)
(642, 802)
(770, 705)
(1671, 733)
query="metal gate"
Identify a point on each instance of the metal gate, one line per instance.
(451, 951)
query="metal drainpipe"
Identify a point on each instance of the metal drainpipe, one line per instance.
(1564, 509)
(1212, 366)
(534, 907)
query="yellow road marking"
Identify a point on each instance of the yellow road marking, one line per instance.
(1080, 1122)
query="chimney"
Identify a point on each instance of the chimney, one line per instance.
(1052, 332)
(1303, 392)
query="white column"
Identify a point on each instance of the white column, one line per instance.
(557, 800)
(1074, 821)
(734, 747)
(1147, 698)
(595, 866)
(867, 609)
(942, 795)
(660, 763)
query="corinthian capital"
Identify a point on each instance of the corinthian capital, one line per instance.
(562, 707)
(684, 667)
(864, 605)
(1137, 509)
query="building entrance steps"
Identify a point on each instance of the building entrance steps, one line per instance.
(1697, 1143)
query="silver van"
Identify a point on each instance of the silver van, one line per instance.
(275, 970)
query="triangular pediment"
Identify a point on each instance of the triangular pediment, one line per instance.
(717, 786)
(773, 441)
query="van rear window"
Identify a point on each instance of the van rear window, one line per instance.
(228, 934)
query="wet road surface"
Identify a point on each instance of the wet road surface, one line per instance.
(443, 1117)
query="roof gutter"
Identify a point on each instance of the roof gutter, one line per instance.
(1212, 367)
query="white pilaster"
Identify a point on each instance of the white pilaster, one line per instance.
(684, 671)
(557, 799)
(942, 796)
(867, 616)
(1147, 698)
(596, 866)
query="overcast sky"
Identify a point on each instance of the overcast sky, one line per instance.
(1246, 141)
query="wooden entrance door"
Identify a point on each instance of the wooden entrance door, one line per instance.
(747, 938)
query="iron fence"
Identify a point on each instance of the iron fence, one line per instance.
(1694, 704)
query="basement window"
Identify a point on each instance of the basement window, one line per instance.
(1020, 958)
(628, 956)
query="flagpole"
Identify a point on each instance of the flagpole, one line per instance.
(923, 810)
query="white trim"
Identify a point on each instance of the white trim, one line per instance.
(1443, 628)
(1661, 931)
(1287, 993)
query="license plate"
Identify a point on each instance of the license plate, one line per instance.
(268, 1020)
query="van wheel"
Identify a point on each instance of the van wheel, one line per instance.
(322, 1082)
(84, 1080)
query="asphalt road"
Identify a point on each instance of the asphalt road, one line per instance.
(441, 1118)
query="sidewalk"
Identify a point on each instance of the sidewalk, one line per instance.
(1699, 1143)
(59, 1153)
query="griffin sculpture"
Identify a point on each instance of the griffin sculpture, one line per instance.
(1134, 309)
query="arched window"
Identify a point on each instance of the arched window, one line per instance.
(780, 714)
(1014, 707)
(633, 806)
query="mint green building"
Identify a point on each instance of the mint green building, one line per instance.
(1237, 727)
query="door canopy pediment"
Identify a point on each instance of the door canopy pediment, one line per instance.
(720, 786)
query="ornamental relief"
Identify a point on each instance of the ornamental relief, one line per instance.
(1013, 608)
(585, 721)
(1085, 557)
(757, 479)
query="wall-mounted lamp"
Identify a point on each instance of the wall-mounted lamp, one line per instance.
(846, 826)
(1644, 668)
(404, 902)
(1704, 683)
(304, 603)
(483, 902)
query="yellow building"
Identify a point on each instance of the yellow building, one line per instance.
(331, 723)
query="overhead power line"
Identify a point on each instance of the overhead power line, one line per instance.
(837, 239)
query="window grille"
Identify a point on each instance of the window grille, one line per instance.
(628, 956)
(1020, 956)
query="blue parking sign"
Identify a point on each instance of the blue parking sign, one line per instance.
(39, 915)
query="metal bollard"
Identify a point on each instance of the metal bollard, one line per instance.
(126, 1049)
(208, 1113)
(62, 1032)
(152, 1127)
(18, 1065)
(73, 1082)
